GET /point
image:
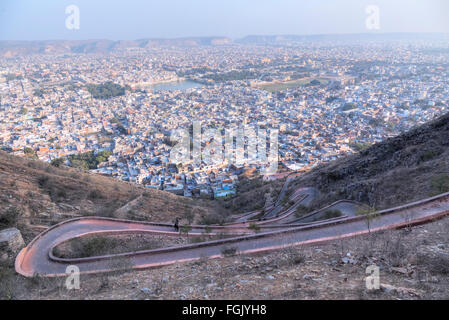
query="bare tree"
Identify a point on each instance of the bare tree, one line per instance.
(369, 213)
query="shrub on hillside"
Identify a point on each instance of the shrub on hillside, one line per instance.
(228, 251)
(329, 214)
(440, 184)
(301, 210)
(255, 227)
(211, 219)
(9, 218)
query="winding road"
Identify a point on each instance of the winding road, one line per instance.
(275, 233)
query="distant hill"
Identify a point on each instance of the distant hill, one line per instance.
(284, 39)
(10, 49)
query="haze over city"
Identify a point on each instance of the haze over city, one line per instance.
(135, 19)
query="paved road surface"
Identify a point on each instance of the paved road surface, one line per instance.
(37, 257)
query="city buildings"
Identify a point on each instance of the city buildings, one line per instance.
(324, 101)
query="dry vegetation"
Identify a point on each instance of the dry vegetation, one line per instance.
(252, 194)
(96, 245)
(35, 195)
(413, 265)
(100, 245)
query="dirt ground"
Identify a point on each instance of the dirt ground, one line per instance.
(413, 264)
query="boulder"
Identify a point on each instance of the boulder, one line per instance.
(11, 242)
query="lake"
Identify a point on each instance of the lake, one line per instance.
(171, 86)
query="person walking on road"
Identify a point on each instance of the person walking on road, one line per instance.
(176, 225)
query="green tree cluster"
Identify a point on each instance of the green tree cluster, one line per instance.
(89, 160)
(106, 90)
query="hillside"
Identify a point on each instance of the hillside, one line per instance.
(34, 195)
(9, 49)
(409, 167)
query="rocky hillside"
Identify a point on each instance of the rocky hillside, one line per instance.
(412, 166)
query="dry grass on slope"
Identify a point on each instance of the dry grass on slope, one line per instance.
(38, 193)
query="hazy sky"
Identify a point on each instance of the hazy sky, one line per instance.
(134, 19)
